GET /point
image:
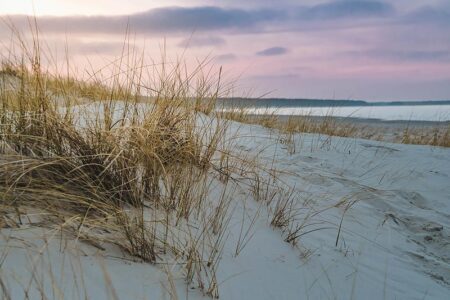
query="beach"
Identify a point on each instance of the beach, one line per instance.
(366, 219)
(231, 150)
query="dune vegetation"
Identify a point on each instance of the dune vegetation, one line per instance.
(106, 165)
(330, 125)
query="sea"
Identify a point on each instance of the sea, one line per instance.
(434, 113)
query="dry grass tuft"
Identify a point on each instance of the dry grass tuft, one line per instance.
(109, 166)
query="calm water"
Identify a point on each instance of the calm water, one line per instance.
(416, 113)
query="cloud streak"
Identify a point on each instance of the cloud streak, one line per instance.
(284, 18)
(429, 15)
(160, 20)
(347, 9)
(273, 51)
(169, 20)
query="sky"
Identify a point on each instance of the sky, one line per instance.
(331, 49)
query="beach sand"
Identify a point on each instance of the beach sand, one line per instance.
(374, 221)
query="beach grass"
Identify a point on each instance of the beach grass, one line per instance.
(436, 134)
(94, 156)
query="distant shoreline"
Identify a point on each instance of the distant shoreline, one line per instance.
(285, 102)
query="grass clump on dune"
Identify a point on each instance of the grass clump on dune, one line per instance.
(107, 165)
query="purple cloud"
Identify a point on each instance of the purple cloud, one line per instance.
(273, 51)
(212, 18)
(429, 15)
(347, 9)
(159, 20)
